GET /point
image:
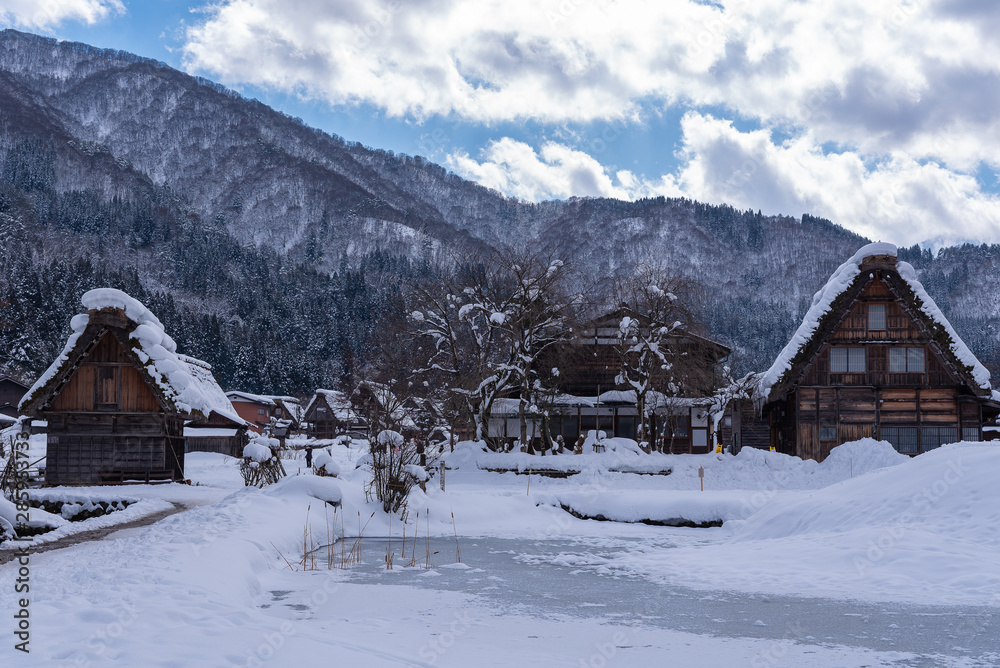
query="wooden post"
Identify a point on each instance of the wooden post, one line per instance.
(441, 474)
(701, 477)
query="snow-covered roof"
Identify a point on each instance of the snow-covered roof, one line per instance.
(252, 398)
(335, 401)
(186, 383)
(839, 282)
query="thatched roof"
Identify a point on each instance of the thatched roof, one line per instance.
(832, 302)
(182, 384)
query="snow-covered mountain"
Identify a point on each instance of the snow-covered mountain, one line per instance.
(106, 132)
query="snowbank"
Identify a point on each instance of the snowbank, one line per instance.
(752, 469)
(950, 491)
(296, 487)
(668, 508)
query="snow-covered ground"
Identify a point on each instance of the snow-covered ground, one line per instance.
(868, 559)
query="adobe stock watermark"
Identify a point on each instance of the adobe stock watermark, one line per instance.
(567, 8)
(775, 653)
(604, 652)
(436, 647)
(372, 29)
(272, 641)
(926, 499)
(22, 581)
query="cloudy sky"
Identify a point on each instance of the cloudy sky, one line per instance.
(882, 116)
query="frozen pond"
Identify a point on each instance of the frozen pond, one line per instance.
(568, 579)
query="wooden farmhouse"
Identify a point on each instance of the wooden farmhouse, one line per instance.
(589, 398)
(874, 357)
(589, 363)
(330, 413)
(117, 398)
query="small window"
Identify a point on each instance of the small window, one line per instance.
(838, 360)
(106, 390)
(906, 360)
(261, 411)
(876, 316)
(935, 437)
(971, 434)
(828, 433)
(847, 360)
(904, 439)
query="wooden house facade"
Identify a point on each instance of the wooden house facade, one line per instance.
(331, 413)
(117, 398)
(875, 358)
(589, 363)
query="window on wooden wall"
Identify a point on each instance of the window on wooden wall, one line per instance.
(906, 360)
(876, 316)
(847, 360)
(935, 437)
(828, 433)
(106, 389)
(904, 439)
(971, 434)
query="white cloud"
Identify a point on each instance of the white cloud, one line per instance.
(898, 199)
(921, 76)
(47, 14)
(555, 172)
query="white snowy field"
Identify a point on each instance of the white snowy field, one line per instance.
(869, 559)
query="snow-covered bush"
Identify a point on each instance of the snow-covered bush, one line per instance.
(324, 465)
(391, 456)
(261, 464)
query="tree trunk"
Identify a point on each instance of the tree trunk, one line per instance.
(522, 416)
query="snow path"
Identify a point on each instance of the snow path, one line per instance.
(94, 534)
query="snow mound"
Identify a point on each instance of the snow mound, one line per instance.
(669, 508)
(257, 450)
(951, 492)
(418, 473)
(296, 487)
(324, 463)
(389, 437)
(863, 456)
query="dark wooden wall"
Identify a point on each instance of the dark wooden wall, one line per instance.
(93, 449)
(106, 425)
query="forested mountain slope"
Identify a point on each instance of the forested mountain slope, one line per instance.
(271, 249)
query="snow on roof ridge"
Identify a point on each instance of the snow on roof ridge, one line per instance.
(99, 298)
(258, 398)
(839, 281)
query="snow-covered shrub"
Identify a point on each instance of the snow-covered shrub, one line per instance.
(261, 464)
(391, 456)
(324, 465)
